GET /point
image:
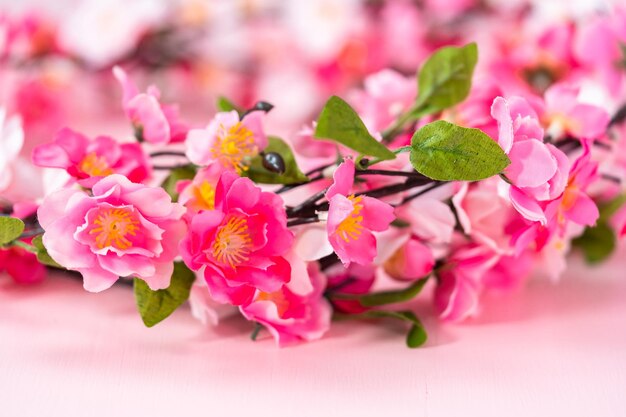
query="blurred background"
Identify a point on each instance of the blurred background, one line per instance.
(57, 55)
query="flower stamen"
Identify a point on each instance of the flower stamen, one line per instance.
(232, 242)
(113, 227)
(233, 146)
(95, 166)
(351, 228)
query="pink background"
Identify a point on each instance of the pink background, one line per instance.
(551, 350)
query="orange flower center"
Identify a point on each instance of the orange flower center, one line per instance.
(232, 243)
(350, 228)
(278, 298)
(205, 196)
(95, 166)
(113, 227)
(233, 146)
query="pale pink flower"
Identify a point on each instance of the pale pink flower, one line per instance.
(122, 230)
(352, 219)
(227, 141)
(11, 142)
(565, 115)
(157, 123)
(240, 245)
(90, 160)
(298, 310)
(537, 170)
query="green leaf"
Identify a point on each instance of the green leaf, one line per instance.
(447, 152)
(10, 229)
(292, 175)
(42, 253)
(155, 306)
(224, 104)
(186, 172)
(416, 336)
(385, 297)
(445, 79)
(596, 243)
(339, 122)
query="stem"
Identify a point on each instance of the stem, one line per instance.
(24, 245)
(288, 187)
(390, 173)
(168, 153)
(255, 332)
(168, 167)
(396, 151)
(304, 220)
(420, 192)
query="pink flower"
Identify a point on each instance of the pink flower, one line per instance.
(158, 123)
(351, 219)
(414, 260)
(11, 142)
(537, 170)
(564, 114)
(199, 194)
(122, 230)
(459, 287)
(574, 204)
(21, 265)
(240, 245)
(355, 279)
(228, 141)
(90, 160)
(296, 311)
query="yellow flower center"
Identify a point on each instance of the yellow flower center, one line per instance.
(350, 228)
(205, 196)
(233, 146)
(95, 166)
(232, 242)
(113, 227)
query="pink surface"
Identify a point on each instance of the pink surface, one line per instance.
(551, 350)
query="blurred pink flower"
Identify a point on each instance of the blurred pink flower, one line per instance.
(355, 279)
(11, 142)
(123, 230)
(240, 245)
(21, 265)
(227, 141)
(90, 160)
(157, 123)
(459, 286)
(414, 260)
(297, 311)
(563, 114)
(352, 219)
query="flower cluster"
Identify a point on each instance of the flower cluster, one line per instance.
(465, 187)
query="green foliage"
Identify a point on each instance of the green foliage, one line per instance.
(385, 297)
(340, 123)
(155, 306)
(223, 104)
(416, 336)
(447, 152)
(10, 229)
(445, 79)
(42, 253)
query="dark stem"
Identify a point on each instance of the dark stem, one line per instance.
(304, 220)
(168, 153)
(168, 167)
(286, 188)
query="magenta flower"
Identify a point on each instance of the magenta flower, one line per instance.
(352, 219)
(240, 245)
(22, 266)
(90, 160)
(297, 311)
(159, 123)
(228, 141)
(122, 230)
